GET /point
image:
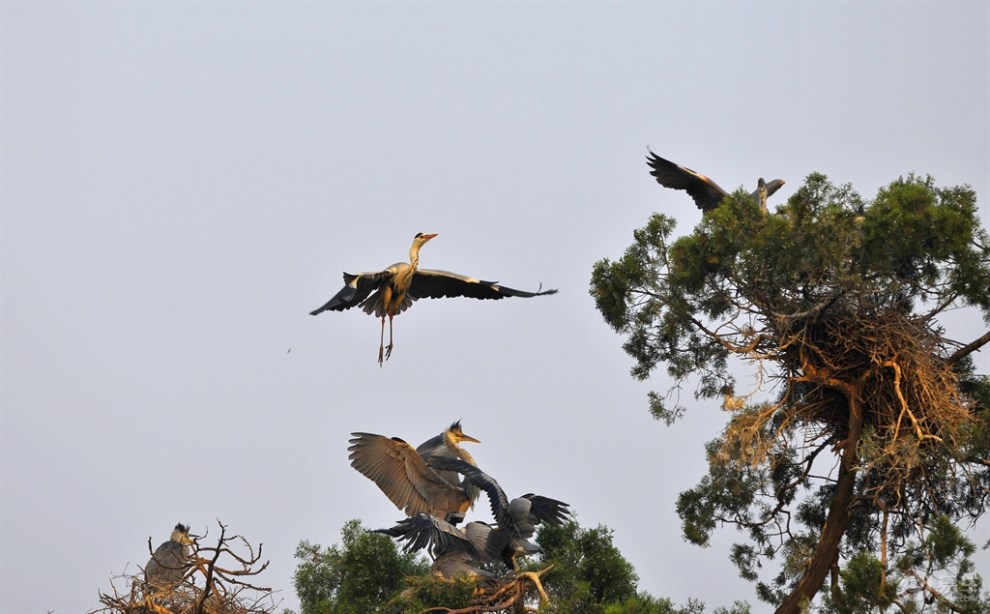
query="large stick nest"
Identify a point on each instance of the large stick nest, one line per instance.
(891, 369)
(889, 364)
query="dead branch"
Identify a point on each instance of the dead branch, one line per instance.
(225, 589)
(508, 593)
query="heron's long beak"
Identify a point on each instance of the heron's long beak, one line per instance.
(468, 438)
(428, 237)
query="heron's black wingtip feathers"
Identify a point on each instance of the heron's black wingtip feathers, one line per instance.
(345, 299)
(507, 291)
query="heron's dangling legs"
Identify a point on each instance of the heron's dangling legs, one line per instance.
(388, 348)
(381, 345)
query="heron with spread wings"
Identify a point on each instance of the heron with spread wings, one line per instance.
(516, 519)
(706, 193)
(390, 292)
(463, 552)
(402, 472)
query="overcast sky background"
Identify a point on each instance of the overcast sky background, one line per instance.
(182, 183)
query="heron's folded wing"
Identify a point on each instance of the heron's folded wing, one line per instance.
(487, 539)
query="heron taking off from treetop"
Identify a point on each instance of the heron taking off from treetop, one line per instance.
(706, 193)
(170, 561)
(399, 285)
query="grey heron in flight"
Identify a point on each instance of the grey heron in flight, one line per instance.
(706, 193)
(462, 552)
(399, 285)
(402, 472)
(171, 560)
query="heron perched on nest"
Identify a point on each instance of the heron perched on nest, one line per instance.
(171, 560)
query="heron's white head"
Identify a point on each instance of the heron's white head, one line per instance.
(422, 238)
(181, 535)
(418, 241)
(456, 435)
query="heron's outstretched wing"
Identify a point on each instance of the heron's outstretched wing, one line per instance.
(356, 289)
(773, 186)
(706, 193)
(425, 531)
(401, 473)
(530, 510)
(496, 496)
(431, 283)
(550, 511)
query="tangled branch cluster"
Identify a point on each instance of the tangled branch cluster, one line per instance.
(886, 363)
(890, 368)
(511, 593)
(225, 589)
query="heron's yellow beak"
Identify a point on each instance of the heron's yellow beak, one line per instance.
(464, 437)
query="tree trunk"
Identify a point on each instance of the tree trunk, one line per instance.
(827, 550)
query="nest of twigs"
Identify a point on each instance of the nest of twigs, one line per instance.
(886, 372)
(183, 599)
(216, 580)
(517, 592)
(889, 367)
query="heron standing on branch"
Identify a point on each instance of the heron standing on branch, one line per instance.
(168, 564)
(399, 285)
(706, 193)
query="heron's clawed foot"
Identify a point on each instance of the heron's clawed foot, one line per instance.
(384, 352)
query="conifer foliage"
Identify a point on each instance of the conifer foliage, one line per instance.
(867, 431)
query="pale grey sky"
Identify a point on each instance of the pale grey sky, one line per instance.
(181, 183)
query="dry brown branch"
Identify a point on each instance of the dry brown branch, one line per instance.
(224, 590)
(507, 593)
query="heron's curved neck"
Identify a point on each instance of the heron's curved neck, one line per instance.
(414, 254)
(458, 451)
